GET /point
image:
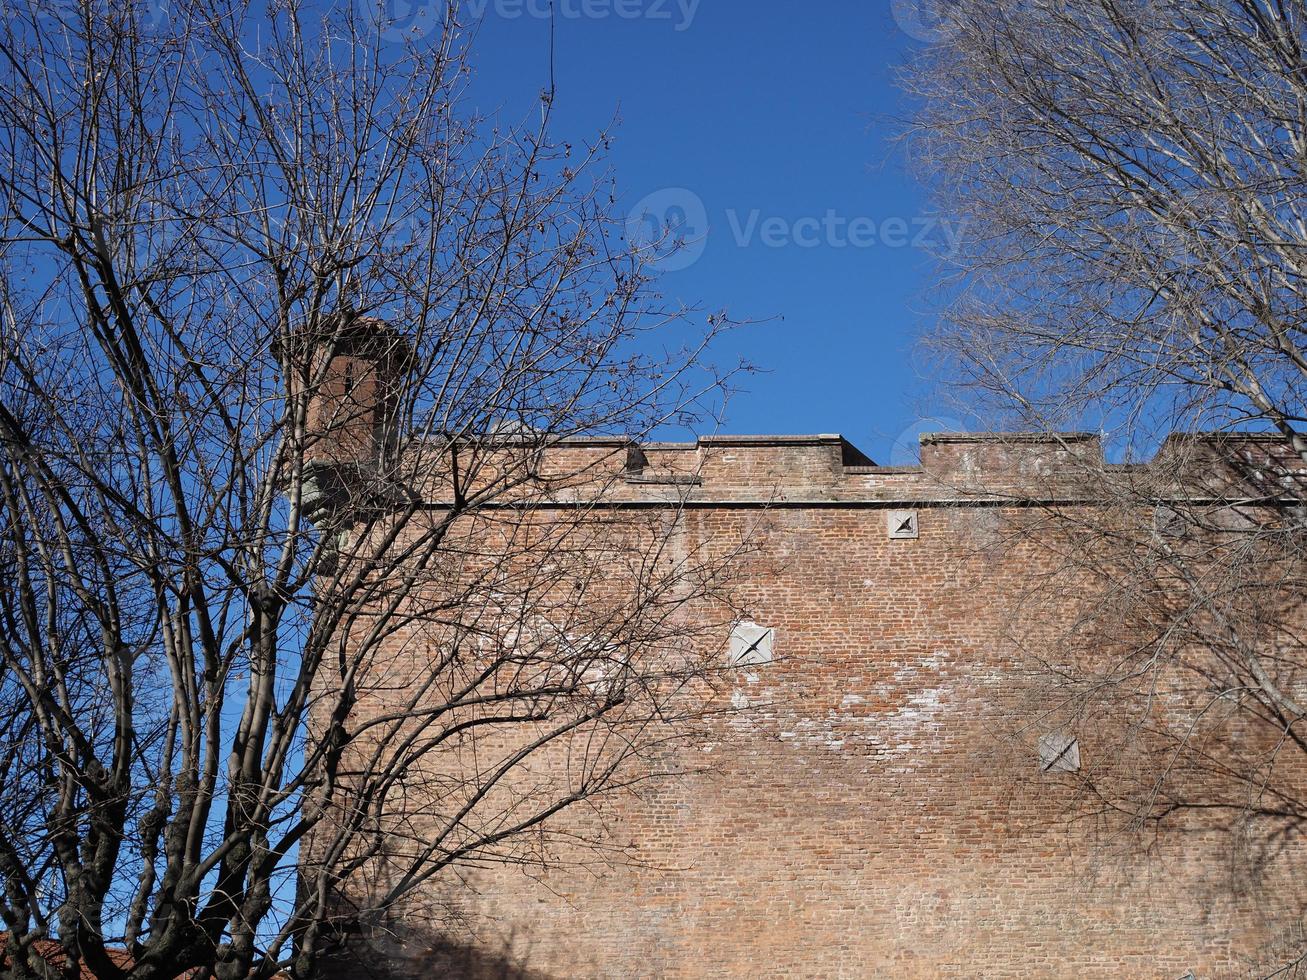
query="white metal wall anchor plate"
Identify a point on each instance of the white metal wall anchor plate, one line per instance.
(902, 524)
(751, 644)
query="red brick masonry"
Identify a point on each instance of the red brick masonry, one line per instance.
(864, 816)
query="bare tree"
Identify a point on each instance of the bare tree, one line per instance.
(293, 346)
(1132, 177)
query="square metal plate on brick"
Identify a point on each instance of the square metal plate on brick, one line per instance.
(751, 644)
(902, 524)
(1058, 753)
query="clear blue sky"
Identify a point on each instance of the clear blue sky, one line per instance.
(772, 114)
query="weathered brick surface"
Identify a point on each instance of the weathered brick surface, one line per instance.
(858, 812)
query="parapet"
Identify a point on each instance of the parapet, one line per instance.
(829, 468)
(953, 456)
(955, 468)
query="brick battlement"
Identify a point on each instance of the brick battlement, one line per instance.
(828, 468)
(956, 469)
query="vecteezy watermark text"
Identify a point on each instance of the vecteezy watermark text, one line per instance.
(680, 13)
(149, 16)
(672, 227)
(400, 20)
(834, 230)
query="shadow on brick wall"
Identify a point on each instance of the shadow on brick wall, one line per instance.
(419, 955)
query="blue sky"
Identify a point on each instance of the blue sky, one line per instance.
(773, 115)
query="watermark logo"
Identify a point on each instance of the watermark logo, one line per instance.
(928, 21)
(397, 21)
(906, 448)
(672, 226)
(154, 14)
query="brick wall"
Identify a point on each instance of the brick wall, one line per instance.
(861, 808)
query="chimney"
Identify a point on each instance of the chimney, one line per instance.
(357, 368)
